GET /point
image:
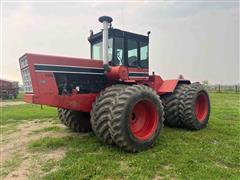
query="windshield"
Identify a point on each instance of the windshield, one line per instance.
(97, 50)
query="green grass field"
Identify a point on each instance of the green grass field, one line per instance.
(212, 153)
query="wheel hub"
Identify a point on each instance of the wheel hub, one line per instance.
(201, 107)
(143, 120)
(133, 119)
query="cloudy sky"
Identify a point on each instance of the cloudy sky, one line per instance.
(197, 39)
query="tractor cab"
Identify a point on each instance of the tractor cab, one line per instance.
(124, 48)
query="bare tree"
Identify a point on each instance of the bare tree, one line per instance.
(205, 82)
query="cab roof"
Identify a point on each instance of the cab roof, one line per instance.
(118, 33)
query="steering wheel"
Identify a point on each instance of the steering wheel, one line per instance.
(132, 61)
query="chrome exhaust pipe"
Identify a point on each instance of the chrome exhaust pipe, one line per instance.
(106, 20)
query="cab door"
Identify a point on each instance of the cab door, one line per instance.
(137, 59)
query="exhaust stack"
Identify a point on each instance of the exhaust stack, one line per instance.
(106, 20)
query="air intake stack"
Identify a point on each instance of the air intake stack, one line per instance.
(106, 20)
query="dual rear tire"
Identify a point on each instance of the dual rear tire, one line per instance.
(194, 107)
(171, 103)
(130, 117)
(77, 121)
(187, 107)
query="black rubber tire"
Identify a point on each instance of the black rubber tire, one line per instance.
(77, 121)
(101, 112)
(61, 115)
(187, 107)
(171, 107)
(121, 112)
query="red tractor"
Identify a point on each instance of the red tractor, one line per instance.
(113, 93)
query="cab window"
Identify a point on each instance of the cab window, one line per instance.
(143, 54)
(97, 50)
(132, 53)
(118, 52)
(110, 49)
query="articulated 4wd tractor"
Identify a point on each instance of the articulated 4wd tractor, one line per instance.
(113, 93)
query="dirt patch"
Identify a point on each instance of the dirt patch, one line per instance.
(160, 175)
(10, 103)
(31, 166)
(56, 154)
(21, 173)
(167, 167)
(123, 165)
(17, 143)
(222, 164)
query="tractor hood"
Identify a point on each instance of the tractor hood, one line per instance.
(52, 80)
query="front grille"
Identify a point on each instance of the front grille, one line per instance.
(27, 82)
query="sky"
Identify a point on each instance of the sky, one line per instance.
(198, 39)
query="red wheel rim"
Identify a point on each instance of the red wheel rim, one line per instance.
(143, 120)
(201, 107)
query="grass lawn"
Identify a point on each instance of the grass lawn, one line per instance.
(212, 153)
(16, 114)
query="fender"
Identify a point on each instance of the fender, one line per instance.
(168, 86)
